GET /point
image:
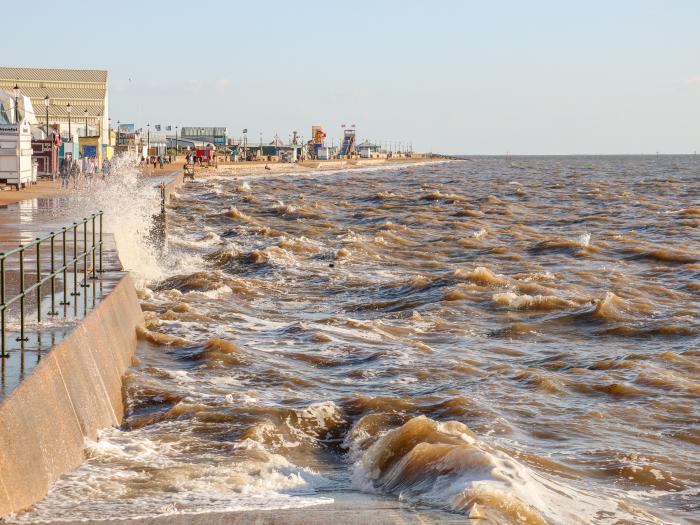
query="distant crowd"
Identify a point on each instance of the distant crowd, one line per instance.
(156, 160)
(81, 171)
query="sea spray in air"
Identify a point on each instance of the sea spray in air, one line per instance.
(129, 202)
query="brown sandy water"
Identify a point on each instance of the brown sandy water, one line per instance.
(516, 341)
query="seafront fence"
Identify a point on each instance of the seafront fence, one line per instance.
(60, 261)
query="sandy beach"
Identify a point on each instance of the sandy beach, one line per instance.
(267, 168)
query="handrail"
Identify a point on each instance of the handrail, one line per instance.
(41, 279)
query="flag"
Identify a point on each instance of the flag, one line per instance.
(157, 127)
(169, 128)
(245, 130)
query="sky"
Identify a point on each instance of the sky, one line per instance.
(449, 76)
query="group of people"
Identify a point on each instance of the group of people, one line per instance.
(156, 160)
(191, 158)
(77, 170)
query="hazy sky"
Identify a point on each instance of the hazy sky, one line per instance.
(470, 77)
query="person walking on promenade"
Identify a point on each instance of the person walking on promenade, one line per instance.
(75, 172)
(65, 171)
(106, 167)
(160, 161)
(90, 173)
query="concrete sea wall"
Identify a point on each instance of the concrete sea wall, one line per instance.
(173, 185)
(72, 393)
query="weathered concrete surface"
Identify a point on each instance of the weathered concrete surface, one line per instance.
(173, 185)
(73, 392)
(355, 511)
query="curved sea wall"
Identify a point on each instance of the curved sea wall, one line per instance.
(72, 393)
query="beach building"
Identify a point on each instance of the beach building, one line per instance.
(78, 95)
(205, 135)
(368, 150)
(128, 139)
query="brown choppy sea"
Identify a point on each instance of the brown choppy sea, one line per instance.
(514, 339)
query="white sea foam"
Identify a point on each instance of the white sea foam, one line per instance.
(103, 487)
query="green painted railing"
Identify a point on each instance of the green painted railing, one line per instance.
(93, 250)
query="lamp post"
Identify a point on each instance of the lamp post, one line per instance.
(86, 130)
(68, 110)
(148, 140)
(245, 144)
(119, 132)
(109, 131)
(47, 101)
(16, 91)
(177, 145)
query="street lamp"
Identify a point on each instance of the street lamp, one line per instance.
(245, 144)
(68, 110)
(86, 130)
(148, 138)
(16, 91)
(47, 101)
(109, 130)
(119, 132)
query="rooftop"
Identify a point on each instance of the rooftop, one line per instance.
(98, 76)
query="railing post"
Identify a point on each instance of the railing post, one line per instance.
(84, 255)
(38, 279)
(101, 213)
(53, 276)
(94, 269)
(65, 301)
(21, 337)
(75, 260)
(3, 354)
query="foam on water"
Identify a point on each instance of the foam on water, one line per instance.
(255, 480)
(464, 351)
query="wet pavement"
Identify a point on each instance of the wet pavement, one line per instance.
(63, 301)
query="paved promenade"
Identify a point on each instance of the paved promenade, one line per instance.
(43, 188)
(357, 509)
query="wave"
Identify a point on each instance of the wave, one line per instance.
(446, 465)
(481, 275)
(530, 302)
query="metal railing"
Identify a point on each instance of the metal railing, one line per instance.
(94, 250)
